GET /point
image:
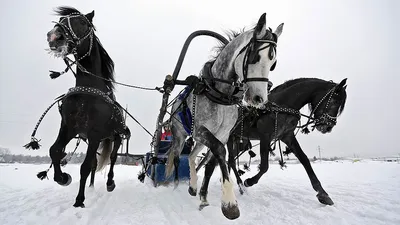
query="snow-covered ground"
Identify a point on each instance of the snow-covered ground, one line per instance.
(364, 192)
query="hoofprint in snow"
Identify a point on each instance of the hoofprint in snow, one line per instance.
(364, 192)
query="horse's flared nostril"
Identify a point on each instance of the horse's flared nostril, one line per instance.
(329, 129)
(257, 99)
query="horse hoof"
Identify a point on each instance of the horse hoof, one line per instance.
(66, 179)
(246, 183)
(203, 205)
(242, 188)
(324, 199)
(230, 211)
(176, 184)
(111, 187)
(192, 191)
(79, 204)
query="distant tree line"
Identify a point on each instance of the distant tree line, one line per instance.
(77, 158)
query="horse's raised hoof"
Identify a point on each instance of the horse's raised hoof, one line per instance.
(66, 179)
(192, 191)
(324, 199)
(79, 204)
(242, 188)
(111, 187)
(230, 211)
(246, 183)
(203, 205)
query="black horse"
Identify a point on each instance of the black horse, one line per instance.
(278, 121)
(88, 110)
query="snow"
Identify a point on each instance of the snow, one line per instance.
(364, 192)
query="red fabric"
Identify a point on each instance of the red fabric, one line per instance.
(165, 135)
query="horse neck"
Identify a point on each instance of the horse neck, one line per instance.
(223, 67)
(92, 64)
(300, 94)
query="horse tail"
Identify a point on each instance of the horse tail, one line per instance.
(169, 166)
(104, 158)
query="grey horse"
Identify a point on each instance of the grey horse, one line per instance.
(246, 60)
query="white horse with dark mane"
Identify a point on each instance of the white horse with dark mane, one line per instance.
(239, 72)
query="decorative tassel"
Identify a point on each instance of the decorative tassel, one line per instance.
(141, 176)
(42, 175)
(34, 144)
(305, 130)
(287, 151)
(252, 154)
(246, 167)
(282, 163)
(272, 153)
(55, 74)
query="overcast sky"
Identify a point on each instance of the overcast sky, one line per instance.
(332, 40)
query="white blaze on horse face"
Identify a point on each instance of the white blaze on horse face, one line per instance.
(261, 69)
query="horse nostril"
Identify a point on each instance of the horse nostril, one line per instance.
(257, 99)
(329, 129)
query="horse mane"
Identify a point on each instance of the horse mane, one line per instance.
(107, 64)
(232, 34)
(66, 10)
(291, 82)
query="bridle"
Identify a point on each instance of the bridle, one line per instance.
(71, 36)
(252, 56)
(325, 118)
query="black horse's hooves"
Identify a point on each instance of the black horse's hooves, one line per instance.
(66, 179)
(324, 199)
(79, 204)
(111, 187)
(192, 191)
(246, 183)
(230, 211)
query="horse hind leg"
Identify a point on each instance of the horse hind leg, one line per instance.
(85, 171)
(229, 205)
(233, 151)
(192, 166)
(208, 171)
(113, 159)
(174, 152)
(57, 153)
(93, 172)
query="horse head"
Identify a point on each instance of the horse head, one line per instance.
(72, 34)
(256, 59)
(328, 105)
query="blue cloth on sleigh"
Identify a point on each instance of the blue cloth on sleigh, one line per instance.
(184, 114)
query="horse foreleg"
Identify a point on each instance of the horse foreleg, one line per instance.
(113, 159)
(264, 164)
(229, 205)
(293, 144)
(57, 153)
(85, 171)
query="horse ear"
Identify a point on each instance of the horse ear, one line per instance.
(279, 29)
(342, 85)
(261, 28)
(90, 16)
(343, 82)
